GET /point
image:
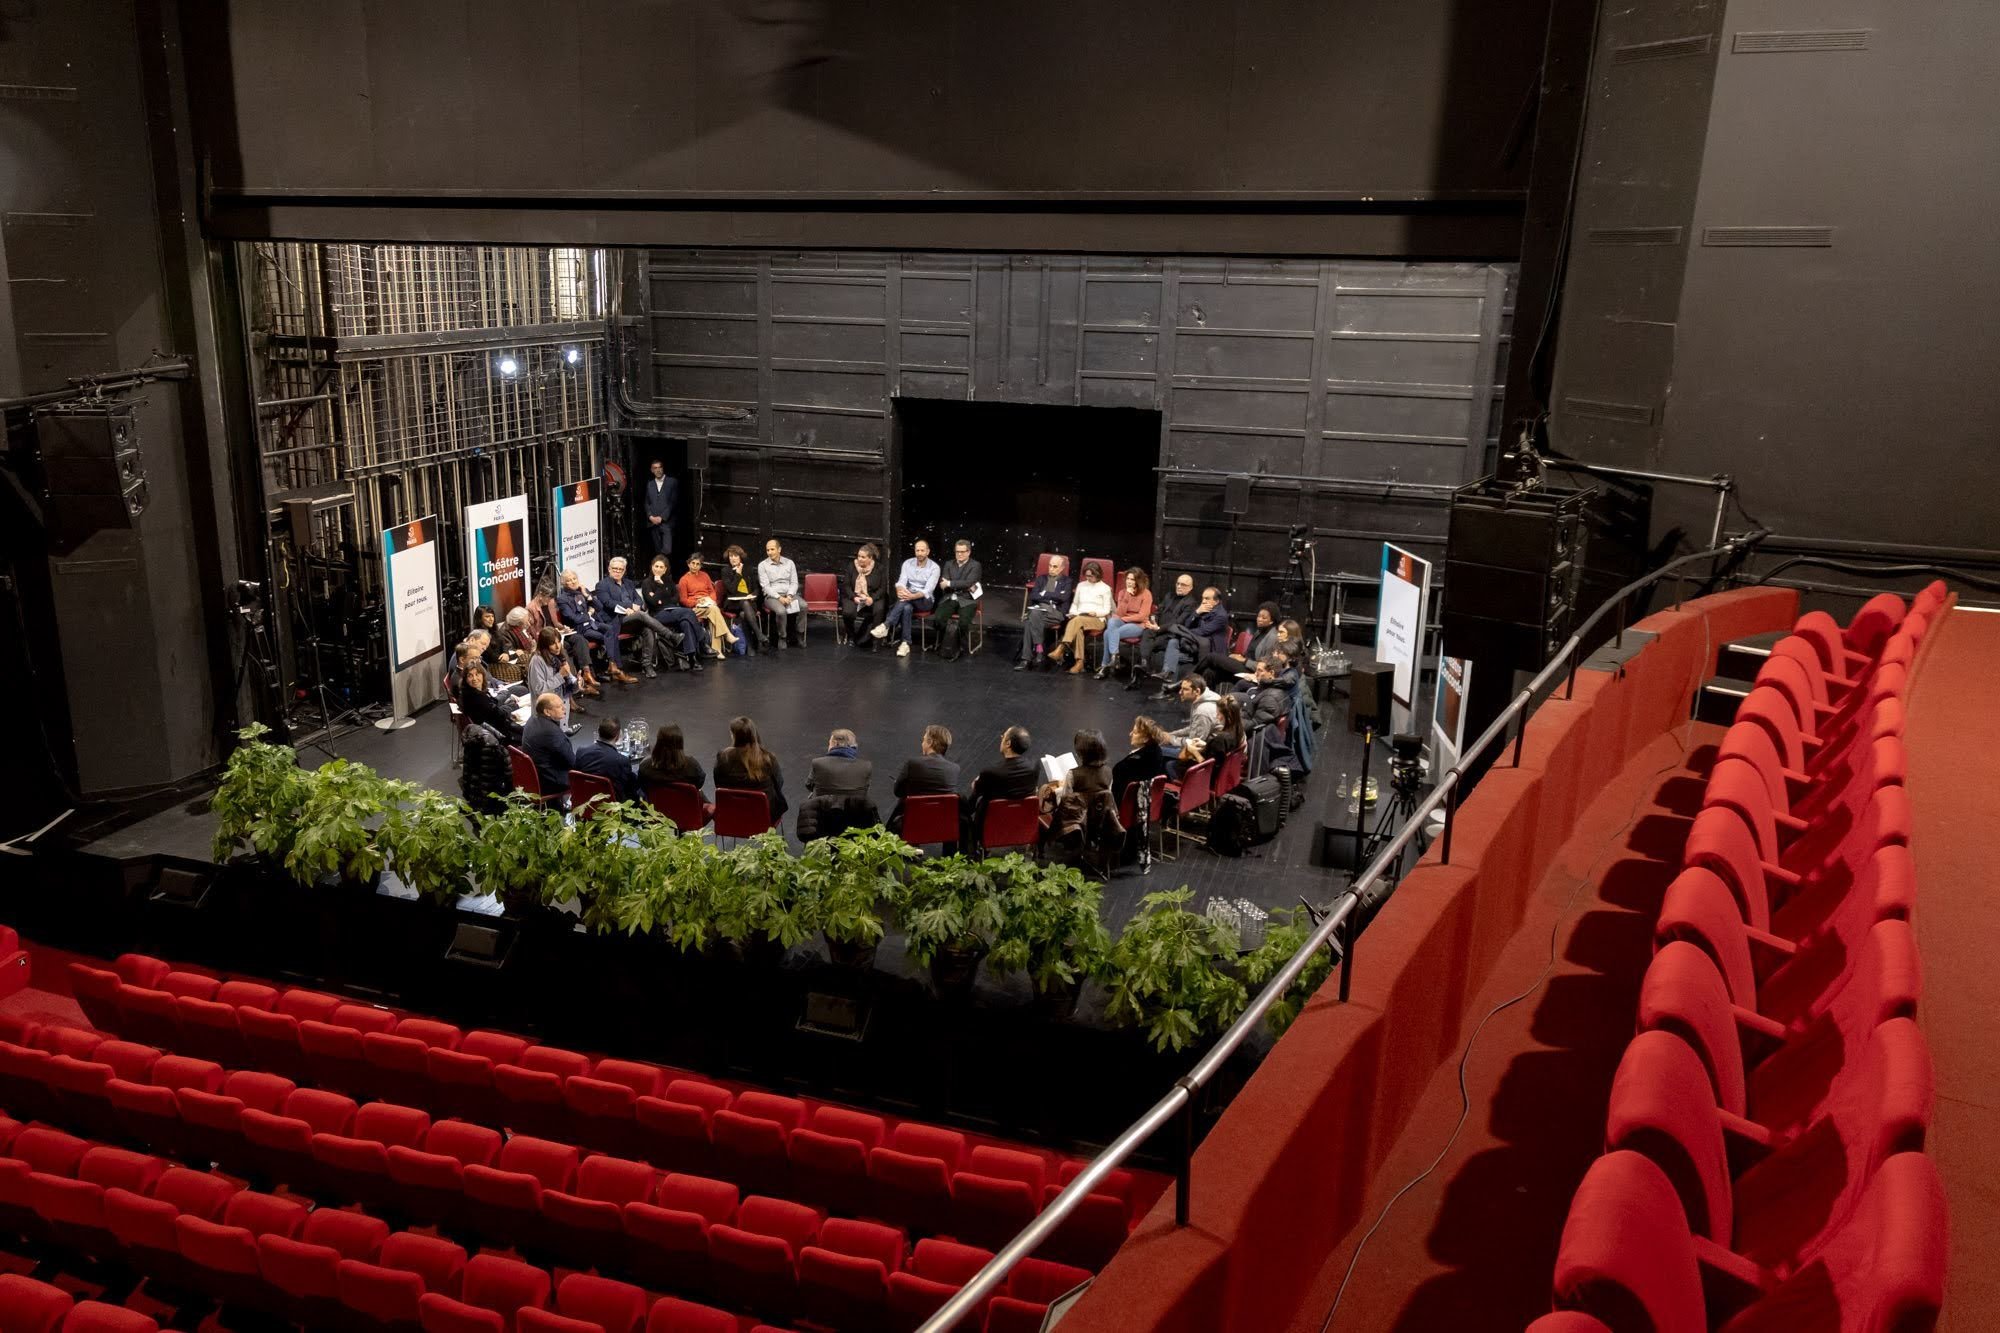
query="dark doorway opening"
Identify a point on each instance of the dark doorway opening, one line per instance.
(1018, 479)
(628, 530)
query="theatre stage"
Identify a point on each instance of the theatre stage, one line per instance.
(798, 696)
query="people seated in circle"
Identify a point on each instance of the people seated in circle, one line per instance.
(960, 588)
(698, 594)
(1089, 611)
(547, 744)
(670, 763)
(1223, 736)
(741, 598)
(1221, 664)
(748, 766)
(929, 774)
(778, 578)
(553, 675)
(911, 596)
(578, 610)
(1146, 760)
(1129, 615)
(676, 635)
(1016, 776)
(837, 797)
(864, 597)
(1203, 705)
(1168, 636)
(475, 699)
(602, 758)
(1048, 601)
(623, 609)
(1208, 634)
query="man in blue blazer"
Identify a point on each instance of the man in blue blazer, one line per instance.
(601, 757)
(544, 740)
(1048, 603)
(663, 493)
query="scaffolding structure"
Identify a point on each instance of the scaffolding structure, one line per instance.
(394, 382)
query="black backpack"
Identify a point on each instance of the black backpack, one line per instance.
(1266, 798)
(1233, 826)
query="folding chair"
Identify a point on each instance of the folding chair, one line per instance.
(929, 819)
(1015, 823)
(740, 813)
(682, 804)
(586, 790)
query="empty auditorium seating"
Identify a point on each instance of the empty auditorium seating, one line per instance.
(1764, 1135)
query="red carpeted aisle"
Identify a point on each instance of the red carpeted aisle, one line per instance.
(1953, 736)
(1473, 1244)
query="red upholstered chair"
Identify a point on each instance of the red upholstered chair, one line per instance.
(667, 1238)
(990, 1210)
(1193, 793)
(388, 1291)
(147, 1015)
(491, 1285)
(673, 1134)
(930, 819)
(521, 768)
(208, 1029)
(1879, 617)
(429, 1182)
(670, 1314)
(224, 1254)
(306, 1269)
(830, 1171)
(682, 804)
(587, 1221)
(1230, 776)
(1011, 823)
(821, 595)
(530, 1089)
(504, 1201)
(1240, 645)
(844, 1276)
(1091, 1234)
(615, 1307)
(1568, 1321)
(741, 813)
(754, 1270)
(102, 1317)
(32, 1307)
(586, 790)
(750, 1150)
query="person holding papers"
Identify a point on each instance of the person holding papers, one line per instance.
(958, 594)
(914, 586)
(739, 599)
(698, 594)
(779, 579)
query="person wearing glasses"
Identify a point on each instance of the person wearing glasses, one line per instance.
(740, 595)
(959, 591)
(1047, 598)
(864, 598)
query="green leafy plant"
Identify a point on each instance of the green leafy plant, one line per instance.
(1050, 925)
(344, 801)
(671, 888)
(757, 894)
(846, 880)
(257, 805)
(1281, 941)
(951, 903)
(1166, 973)
(429, 841)
(601, 857)
(518, 849)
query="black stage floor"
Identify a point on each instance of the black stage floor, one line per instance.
(798, 696)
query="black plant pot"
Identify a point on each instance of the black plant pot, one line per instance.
(953, 971)
(1058, 1003)
(850, 954)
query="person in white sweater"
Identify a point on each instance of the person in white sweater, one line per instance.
(1089, 608)
(778, 578)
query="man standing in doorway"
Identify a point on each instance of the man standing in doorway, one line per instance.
(662, 494)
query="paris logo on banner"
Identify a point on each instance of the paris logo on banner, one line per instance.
(416, 629)
(579, 542)
(496, 536)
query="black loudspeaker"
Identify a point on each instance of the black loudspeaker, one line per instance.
(93, 476)
(1236, 495)
(697, 455)
(1371, 690)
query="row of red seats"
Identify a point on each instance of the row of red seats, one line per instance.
(914, 1175)
(683, 1233)
(1764, 1166)
(28, 1306)
(328, 1267)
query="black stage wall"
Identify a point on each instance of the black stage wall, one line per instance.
(1356, 394)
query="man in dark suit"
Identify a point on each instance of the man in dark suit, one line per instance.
(662, 494)
(1015, 776)
(929, 774)
(601, 757)
(546, 744)
(840, 771)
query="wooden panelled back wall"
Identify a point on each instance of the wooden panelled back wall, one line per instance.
(1354, 393)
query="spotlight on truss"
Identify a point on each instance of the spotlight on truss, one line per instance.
(572, 355)
(508, 366)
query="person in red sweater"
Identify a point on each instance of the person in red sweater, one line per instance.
(1129, 616)
(698, 595)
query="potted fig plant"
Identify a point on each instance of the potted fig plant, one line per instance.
(1168, 973)
(846, 880)
(257, 804)
(428, 840)
(1281, 941)
(1050, 928)
(517, 851)
(336, 841)
(950, 911)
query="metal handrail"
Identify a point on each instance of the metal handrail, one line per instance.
(1179, 1099)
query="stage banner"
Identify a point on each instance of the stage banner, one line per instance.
(1448, 714)
(415, 612)
(496, 541)
(579, 540)
(1399, 619)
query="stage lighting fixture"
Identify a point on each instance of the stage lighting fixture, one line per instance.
(508, 366)
(572, 356)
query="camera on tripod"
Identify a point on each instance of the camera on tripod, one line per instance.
(1406, 753)
(1300, 543)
